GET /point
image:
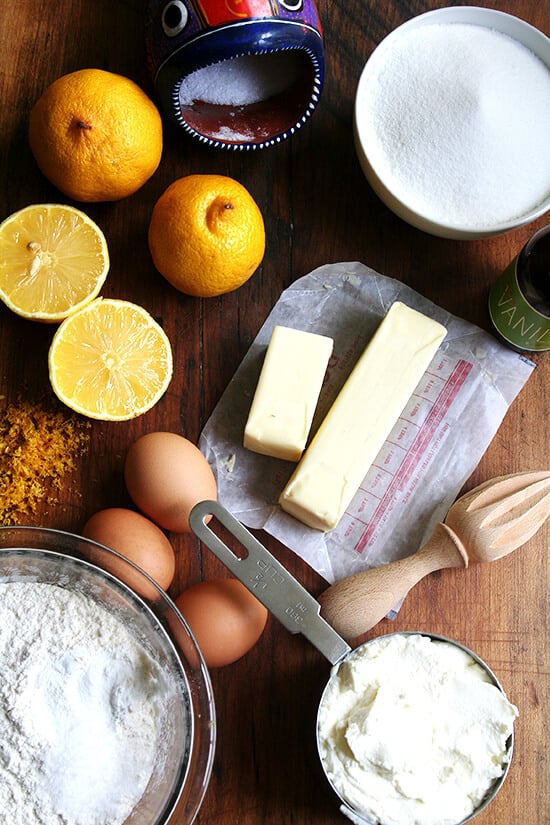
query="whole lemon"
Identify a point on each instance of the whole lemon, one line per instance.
(96, 135)
(206, 235)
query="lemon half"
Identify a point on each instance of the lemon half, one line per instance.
(110, 360)
(53, 261)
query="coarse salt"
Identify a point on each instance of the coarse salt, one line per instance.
(241, 81)
(455, 120)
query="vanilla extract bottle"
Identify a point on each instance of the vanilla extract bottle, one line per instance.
(519, 302)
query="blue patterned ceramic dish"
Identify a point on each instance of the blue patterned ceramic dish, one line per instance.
(236, 74)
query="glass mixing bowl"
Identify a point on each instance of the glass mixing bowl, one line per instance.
(183, 761)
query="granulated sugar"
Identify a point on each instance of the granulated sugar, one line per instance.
(241, 81)
(455, 118)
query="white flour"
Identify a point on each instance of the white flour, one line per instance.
(78, 710)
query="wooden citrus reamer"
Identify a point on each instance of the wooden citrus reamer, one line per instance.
(485, 524)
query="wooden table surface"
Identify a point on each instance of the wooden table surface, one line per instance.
(318, 209)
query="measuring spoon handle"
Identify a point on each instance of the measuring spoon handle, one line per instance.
(355, 604)
(267, 579)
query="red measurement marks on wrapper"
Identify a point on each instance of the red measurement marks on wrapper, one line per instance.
(407, 453)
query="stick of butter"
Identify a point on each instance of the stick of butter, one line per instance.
(361, 417)
(288, 389)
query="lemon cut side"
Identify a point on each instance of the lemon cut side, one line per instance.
(110, 360)
(53, 261)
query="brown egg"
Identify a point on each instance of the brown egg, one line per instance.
(166, 475)
(225, 617)
(138, 539)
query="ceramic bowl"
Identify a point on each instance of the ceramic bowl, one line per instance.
(407, 205)
(236, 75)
(183, 762)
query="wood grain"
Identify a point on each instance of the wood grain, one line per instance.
(318, 209)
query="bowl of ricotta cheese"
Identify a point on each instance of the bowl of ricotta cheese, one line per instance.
(414, 729)
(106, 706)
(451, 122)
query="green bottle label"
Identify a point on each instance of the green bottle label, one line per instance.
(514, 318)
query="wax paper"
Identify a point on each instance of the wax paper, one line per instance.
(434, 447)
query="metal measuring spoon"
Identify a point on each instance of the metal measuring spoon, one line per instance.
(298, 610)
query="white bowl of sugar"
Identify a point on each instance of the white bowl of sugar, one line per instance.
(452, 122)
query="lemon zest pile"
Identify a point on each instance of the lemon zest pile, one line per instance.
(38, 448)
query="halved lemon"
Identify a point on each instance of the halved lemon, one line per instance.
(110, 360)
(53, 261)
